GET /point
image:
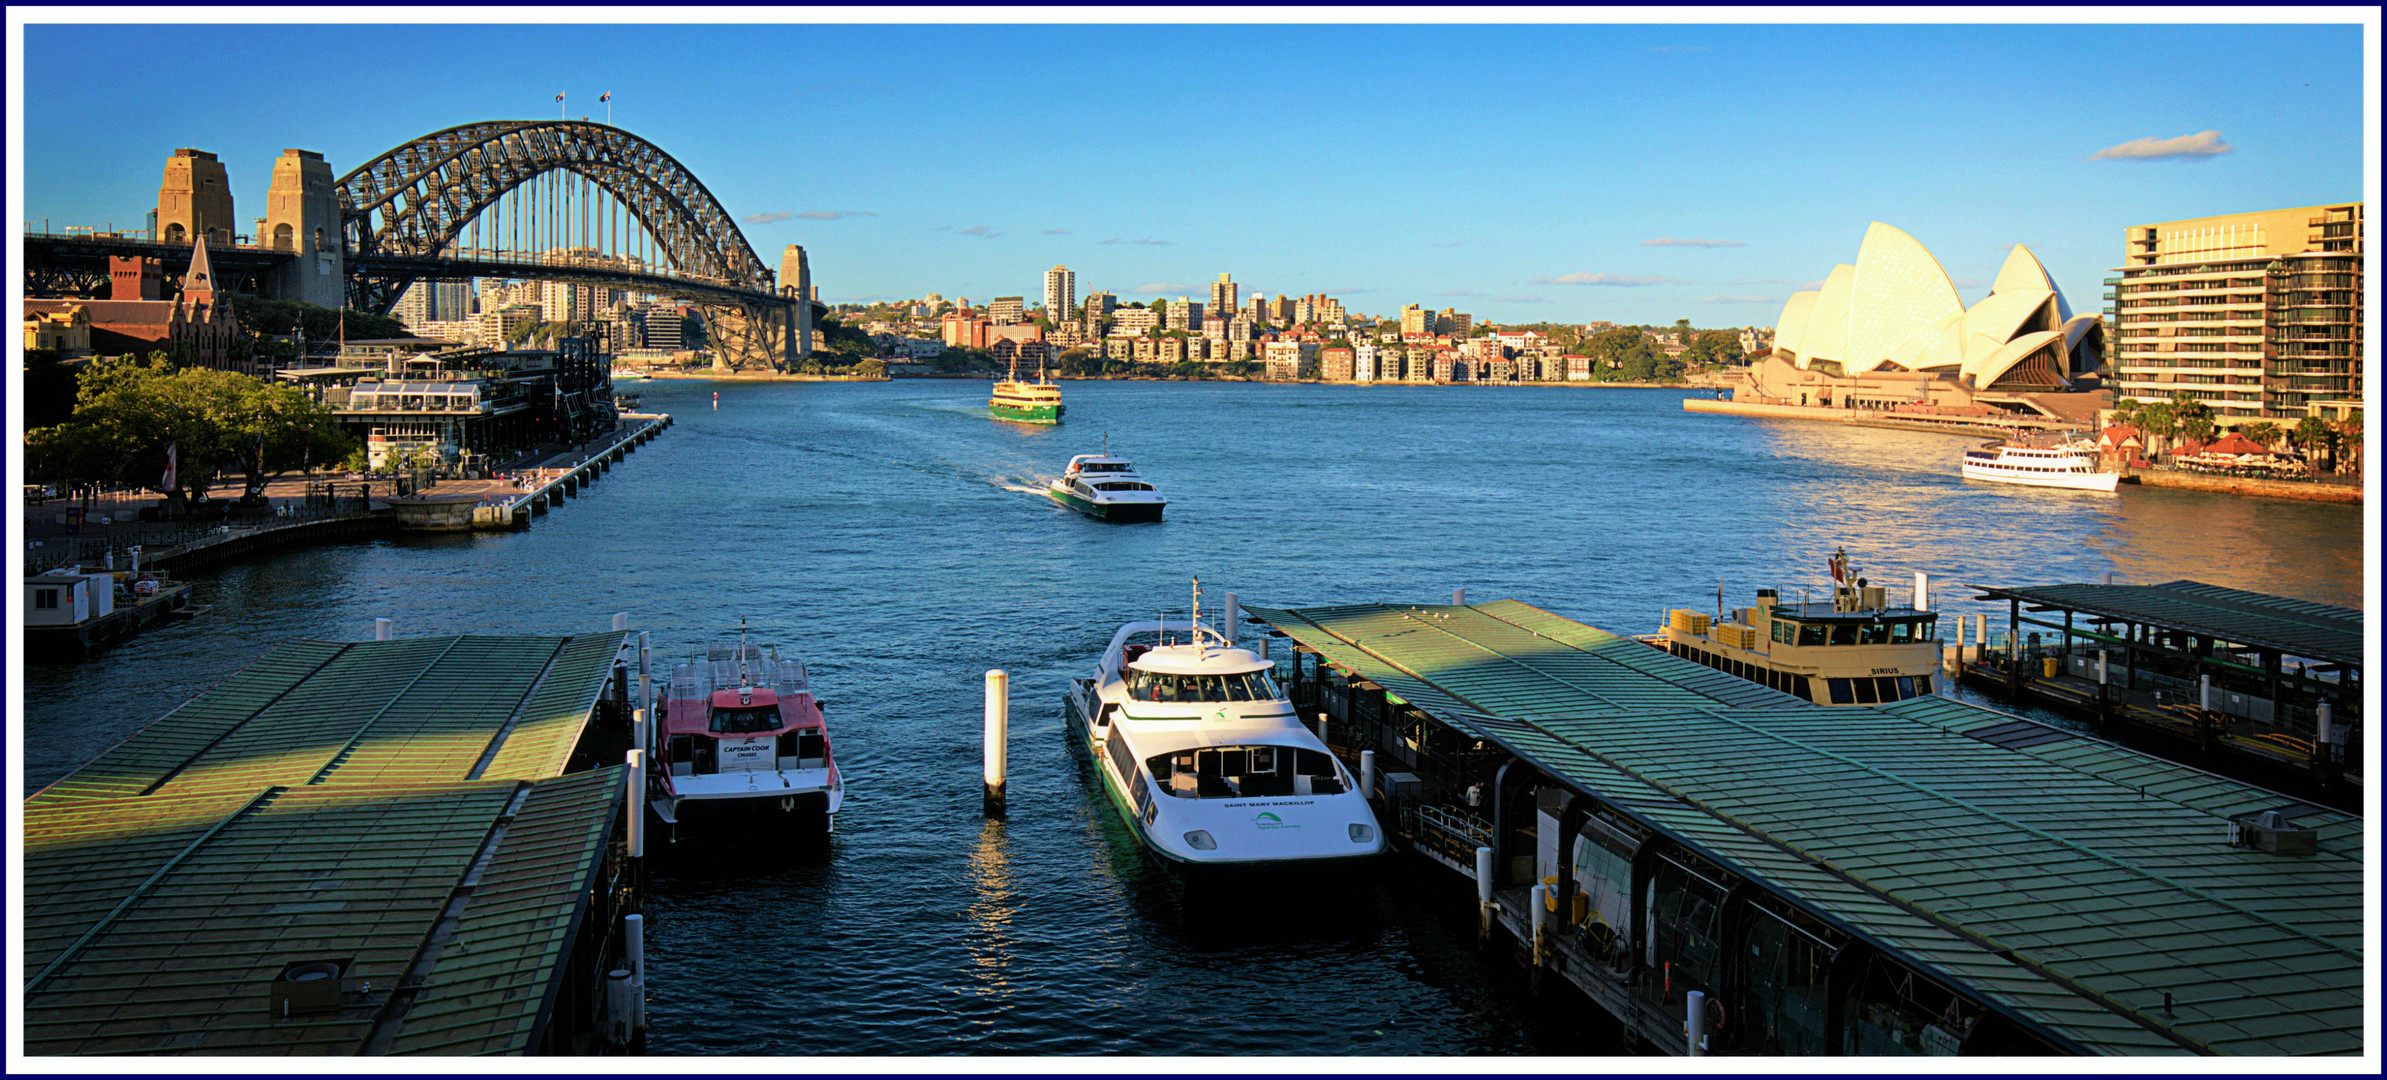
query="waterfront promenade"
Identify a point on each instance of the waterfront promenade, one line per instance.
(296, 508)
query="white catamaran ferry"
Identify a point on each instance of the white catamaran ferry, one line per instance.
(1205, 760)
(1107, 488)
(2065, 464)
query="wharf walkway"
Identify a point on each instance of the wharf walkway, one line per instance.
(420, 815)
(537, 486)
(2239, 674)
(1921, 878)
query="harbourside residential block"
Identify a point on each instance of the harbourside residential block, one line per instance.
(2258, 315)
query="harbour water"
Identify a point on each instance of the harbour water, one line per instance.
(897, 539)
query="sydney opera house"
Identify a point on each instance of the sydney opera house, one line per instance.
(1890, 333)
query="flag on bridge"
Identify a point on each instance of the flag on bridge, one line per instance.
(166, 483)
(559, 97)
(606, 96)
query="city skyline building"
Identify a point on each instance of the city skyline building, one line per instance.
(1060, 293)
(1222, 294)
(2259, 315)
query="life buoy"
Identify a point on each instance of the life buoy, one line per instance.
(1715, 1013)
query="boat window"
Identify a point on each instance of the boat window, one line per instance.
(1811, 633)
(1867, 692)
(1841, 693)
(1902, 633)
(1873, 634)
(739, 721)
(1922, 685)
(1245, 686)
(1245, 772)
(1844, 634)
(1122, 485)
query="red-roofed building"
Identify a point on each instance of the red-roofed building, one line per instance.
(195, 327)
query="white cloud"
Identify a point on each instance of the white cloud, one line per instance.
(832, 215)
(1056, 232)
(980, 231)
(1667, 241)
(2201, 144)
(1620, 280)
(1157, 288)
(767, 217)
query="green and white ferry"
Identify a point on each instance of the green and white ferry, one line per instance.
(1207, 763)
(1038, 402)
(1106, 488)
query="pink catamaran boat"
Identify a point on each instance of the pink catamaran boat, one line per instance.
(741, 736)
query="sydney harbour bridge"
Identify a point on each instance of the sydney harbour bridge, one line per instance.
(548, 200)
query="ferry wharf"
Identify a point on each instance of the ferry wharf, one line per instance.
(1728, 869)
(2259, 679)
(533, 487)
(388, 847)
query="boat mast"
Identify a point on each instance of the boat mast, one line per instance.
(1201, 650)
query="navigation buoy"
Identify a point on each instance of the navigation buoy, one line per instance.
(716, 401)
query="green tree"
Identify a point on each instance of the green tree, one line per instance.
(2160, 421)
(258, 315)
(49, 388)
(2316, 437)
(128, 413)
(1160, 304)
(2265, 433)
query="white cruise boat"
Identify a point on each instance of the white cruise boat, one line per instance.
(1207, 763)
(1107, 488)
(2065, 464)
(740, 735)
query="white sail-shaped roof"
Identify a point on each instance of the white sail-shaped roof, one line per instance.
(2024, 271)
(1792, 326)
(2014, 352)
(2002, 317)
(1898, 291)
(1826, 335)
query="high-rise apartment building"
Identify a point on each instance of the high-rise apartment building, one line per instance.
(1453, 322)
(1060, 294)
(1281, 312)
(1135, 320)
(1257, 308)
(1007, 310)
(1222, 295)
(2258, 315)
(1416, 320)
(1184, 314)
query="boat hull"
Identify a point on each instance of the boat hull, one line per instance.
(1081, 736)
(1125, 513)
(2069, 481)
(1026, 414)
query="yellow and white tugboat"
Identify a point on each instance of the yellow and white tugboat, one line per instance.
(1038, 402)
(1854, 650)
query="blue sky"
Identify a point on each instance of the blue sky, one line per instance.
(1516, 172)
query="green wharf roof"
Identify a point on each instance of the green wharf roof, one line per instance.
(2322, 632)
(2066, 880)
(402, 804)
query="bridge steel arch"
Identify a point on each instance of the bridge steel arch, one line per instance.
(409, 205)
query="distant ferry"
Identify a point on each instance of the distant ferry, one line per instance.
(2068, 464)
(1854, 650)
(1038, 402)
